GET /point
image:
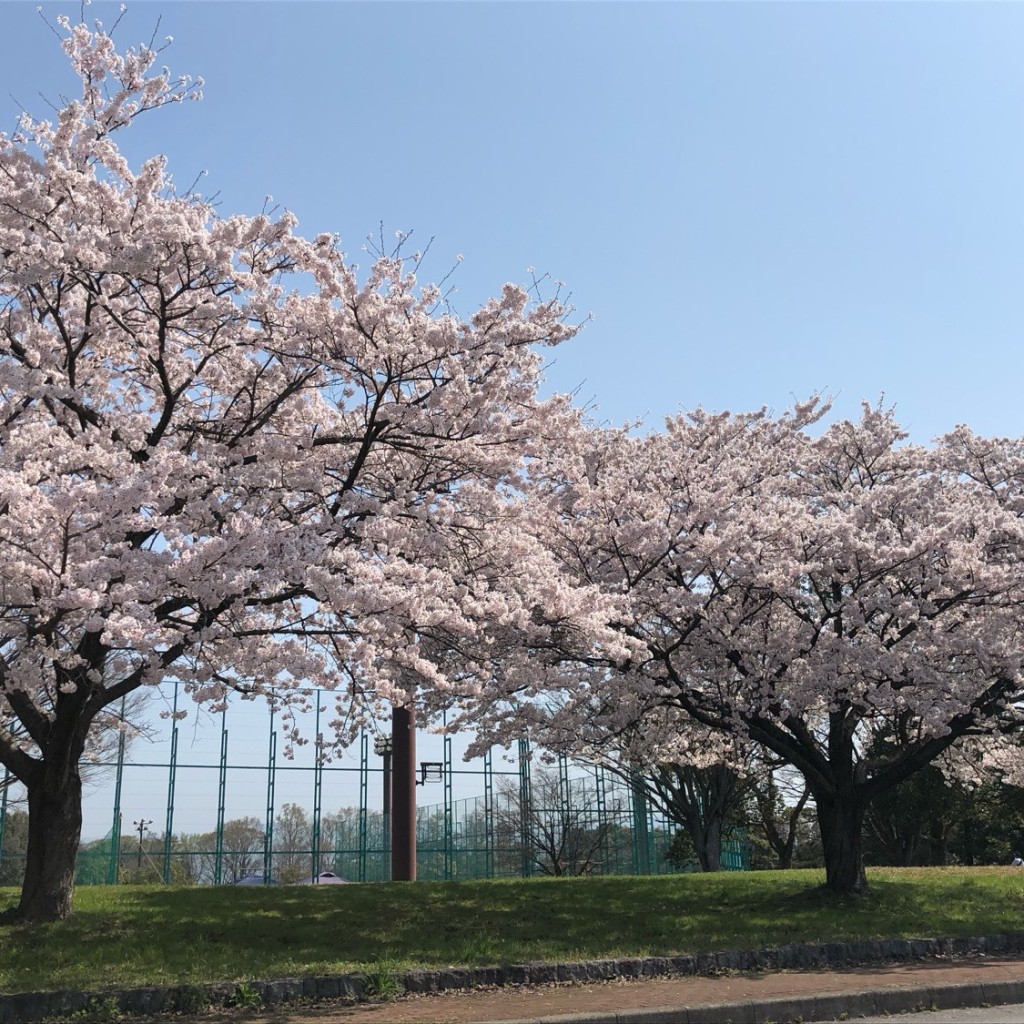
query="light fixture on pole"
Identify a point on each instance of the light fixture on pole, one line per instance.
(430, 771)
(382, 747)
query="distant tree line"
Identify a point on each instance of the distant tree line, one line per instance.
(928, 820)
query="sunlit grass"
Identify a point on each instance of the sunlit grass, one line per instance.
(144, 935)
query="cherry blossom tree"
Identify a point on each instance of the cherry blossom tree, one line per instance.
(795, 589)
(227, 457)
(117, 726)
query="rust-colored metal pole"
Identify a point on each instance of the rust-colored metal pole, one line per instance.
(403, 795)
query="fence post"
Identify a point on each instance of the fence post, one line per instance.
(600, 799)
(525, 807)
(488, 815)
(318, 783)
(115, 832)
(652, 852)
(268, 836)
(171, 774)
(364, 785)
(222, 785)
(641, 835)
(449, 849)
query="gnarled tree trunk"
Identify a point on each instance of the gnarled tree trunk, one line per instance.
(708, 842)
(54, 832)
(841, 823)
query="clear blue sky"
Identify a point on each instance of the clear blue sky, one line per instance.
(755, 201)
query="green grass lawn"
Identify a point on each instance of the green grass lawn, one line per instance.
(142, 935)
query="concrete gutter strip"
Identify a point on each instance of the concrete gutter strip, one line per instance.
(28, 1007)
(847, 1005)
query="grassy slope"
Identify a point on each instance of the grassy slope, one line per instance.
(161, 935)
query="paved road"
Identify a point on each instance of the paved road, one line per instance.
(986, 1015)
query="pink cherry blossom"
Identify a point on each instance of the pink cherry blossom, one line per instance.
(790, 585)
(214, 471)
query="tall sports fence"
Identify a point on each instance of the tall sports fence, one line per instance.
(526, 818)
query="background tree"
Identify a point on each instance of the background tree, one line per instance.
(967, 808)
(293, 843)
(141, 862)
(556, 826)
(340, 840)
(988, 826)
(912, 823)
(243, 847)
(705, 801)
(710, 786)
(777, 811)
(698, 780)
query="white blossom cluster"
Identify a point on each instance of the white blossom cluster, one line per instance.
(209, 474)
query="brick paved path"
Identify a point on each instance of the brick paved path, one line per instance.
(513, 1003)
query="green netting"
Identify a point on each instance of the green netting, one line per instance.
(470, 839)
(96, 860)
(561, 819)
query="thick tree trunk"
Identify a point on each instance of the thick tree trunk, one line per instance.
(841, 823)
(54, 832)
(708, 842)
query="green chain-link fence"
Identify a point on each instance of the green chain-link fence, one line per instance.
(561, 819)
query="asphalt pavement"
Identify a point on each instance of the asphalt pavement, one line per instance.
(1013, 1014)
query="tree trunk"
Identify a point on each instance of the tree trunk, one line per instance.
(793, 818)
(841, 823)
(54, 832)
(909, 847)
(700, 800)
(785, 855)
(708, 843)
(939, 842)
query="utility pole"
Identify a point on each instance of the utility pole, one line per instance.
(403, 795)
(140, 827)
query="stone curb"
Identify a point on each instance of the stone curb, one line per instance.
(28, 1007)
